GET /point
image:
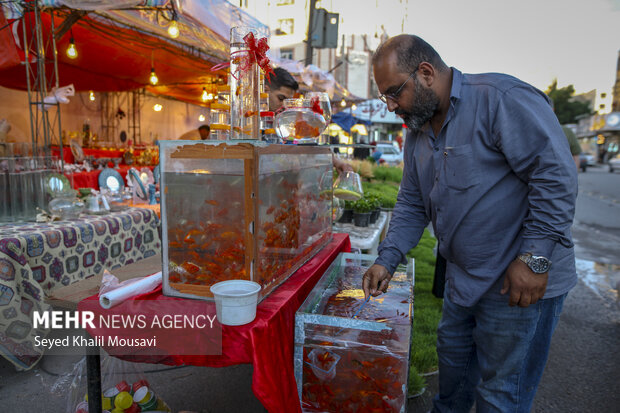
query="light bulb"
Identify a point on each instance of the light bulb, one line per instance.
(173, 29)
(210, 96)
(343, 103)
(71, 50)
(157, 107)
(201, 118)
(153, 79)
(91, 96)
(205, 95)
(353, 106)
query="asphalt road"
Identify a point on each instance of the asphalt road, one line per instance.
(583, 370)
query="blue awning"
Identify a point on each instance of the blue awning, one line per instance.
(346, 121)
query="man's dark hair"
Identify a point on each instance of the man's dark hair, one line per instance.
(205, 127)
(410, 51)
(281, 77)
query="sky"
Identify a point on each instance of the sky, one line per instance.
(575, 41)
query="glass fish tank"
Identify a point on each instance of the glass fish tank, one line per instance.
(352, 355)
(241, 210)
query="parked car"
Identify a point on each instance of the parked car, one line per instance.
(614, 163)
(390, 154)
(590, 159)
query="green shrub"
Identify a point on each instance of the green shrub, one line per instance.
(388, 173)
(373, 200)
(426, 314)
(385, 192)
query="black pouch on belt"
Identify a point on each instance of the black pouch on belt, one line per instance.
(440, 276)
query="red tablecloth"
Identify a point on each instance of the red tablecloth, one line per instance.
(267, 342)
(91, 179)
(97, 153)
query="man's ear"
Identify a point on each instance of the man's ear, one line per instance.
(267, 88)
(427, 73)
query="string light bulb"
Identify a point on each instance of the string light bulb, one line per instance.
(157, 107)
(173, 29)
(353, 106)
(343, 103)
(210, 96)
(153, 79)
(205, 95)
(91, 96)
(201, 118)
(71, 50)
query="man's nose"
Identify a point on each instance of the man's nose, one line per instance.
(391, 105)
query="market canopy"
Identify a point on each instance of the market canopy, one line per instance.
(346, 121)
(312, 78)
(118, 48)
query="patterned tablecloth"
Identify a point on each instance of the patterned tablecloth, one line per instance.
(36, 258)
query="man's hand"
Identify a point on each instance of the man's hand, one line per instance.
(525, 286)
(375, 281)
(340, 165)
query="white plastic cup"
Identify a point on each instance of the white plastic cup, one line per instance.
(235, 301)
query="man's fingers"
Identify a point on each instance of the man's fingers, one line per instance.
(515, 297)
(506, 286)
(525, 301)
(384, 285)
(366, 285)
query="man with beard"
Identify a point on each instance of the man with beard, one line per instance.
(487, 163)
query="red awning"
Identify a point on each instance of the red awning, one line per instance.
(114, 57)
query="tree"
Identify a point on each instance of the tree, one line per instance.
(566, 108)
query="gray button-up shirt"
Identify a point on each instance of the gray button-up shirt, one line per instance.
(499, 180)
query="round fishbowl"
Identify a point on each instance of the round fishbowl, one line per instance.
(300, 121)
(66, 205)
(348, 186)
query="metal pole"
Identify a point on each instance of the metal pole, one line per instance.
(57, 83)
(93, 377)
(28, 85)
(310, 31)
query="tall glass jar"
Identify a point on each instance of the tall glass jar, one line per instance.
(244, 86)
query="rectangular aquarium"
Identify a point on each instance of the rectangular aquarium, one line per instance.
(352, 355)
(241, 210)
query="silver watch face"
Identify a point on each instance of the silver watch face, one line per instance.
(539, 264)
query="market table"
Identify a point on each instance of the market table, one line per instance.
(266, 343)
(37, 258)
(365, 238)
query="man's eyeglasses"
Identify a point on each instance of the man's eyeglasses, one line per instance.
(394, 96)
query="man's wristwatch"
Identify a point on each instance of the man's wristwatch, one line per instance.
(537, 263)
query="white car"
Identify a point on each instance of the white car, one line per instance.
(614, 163)
(591, 161)
(389, 154)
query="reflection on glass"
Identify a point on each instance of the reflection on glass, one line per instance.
(324, 103)
(113, 183)
(56, 185)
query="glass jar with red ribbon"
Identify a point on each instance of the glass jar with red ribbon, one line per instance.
(247, 59)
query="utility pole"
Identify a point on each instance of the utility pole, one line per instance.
(309, 35)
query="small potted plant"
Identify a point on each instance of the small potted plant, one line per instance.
(376, 204)
(361, 212)
(347, 215)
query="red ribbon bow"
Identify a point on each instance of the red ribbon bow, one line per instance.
(316, 105)
(257, 52)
